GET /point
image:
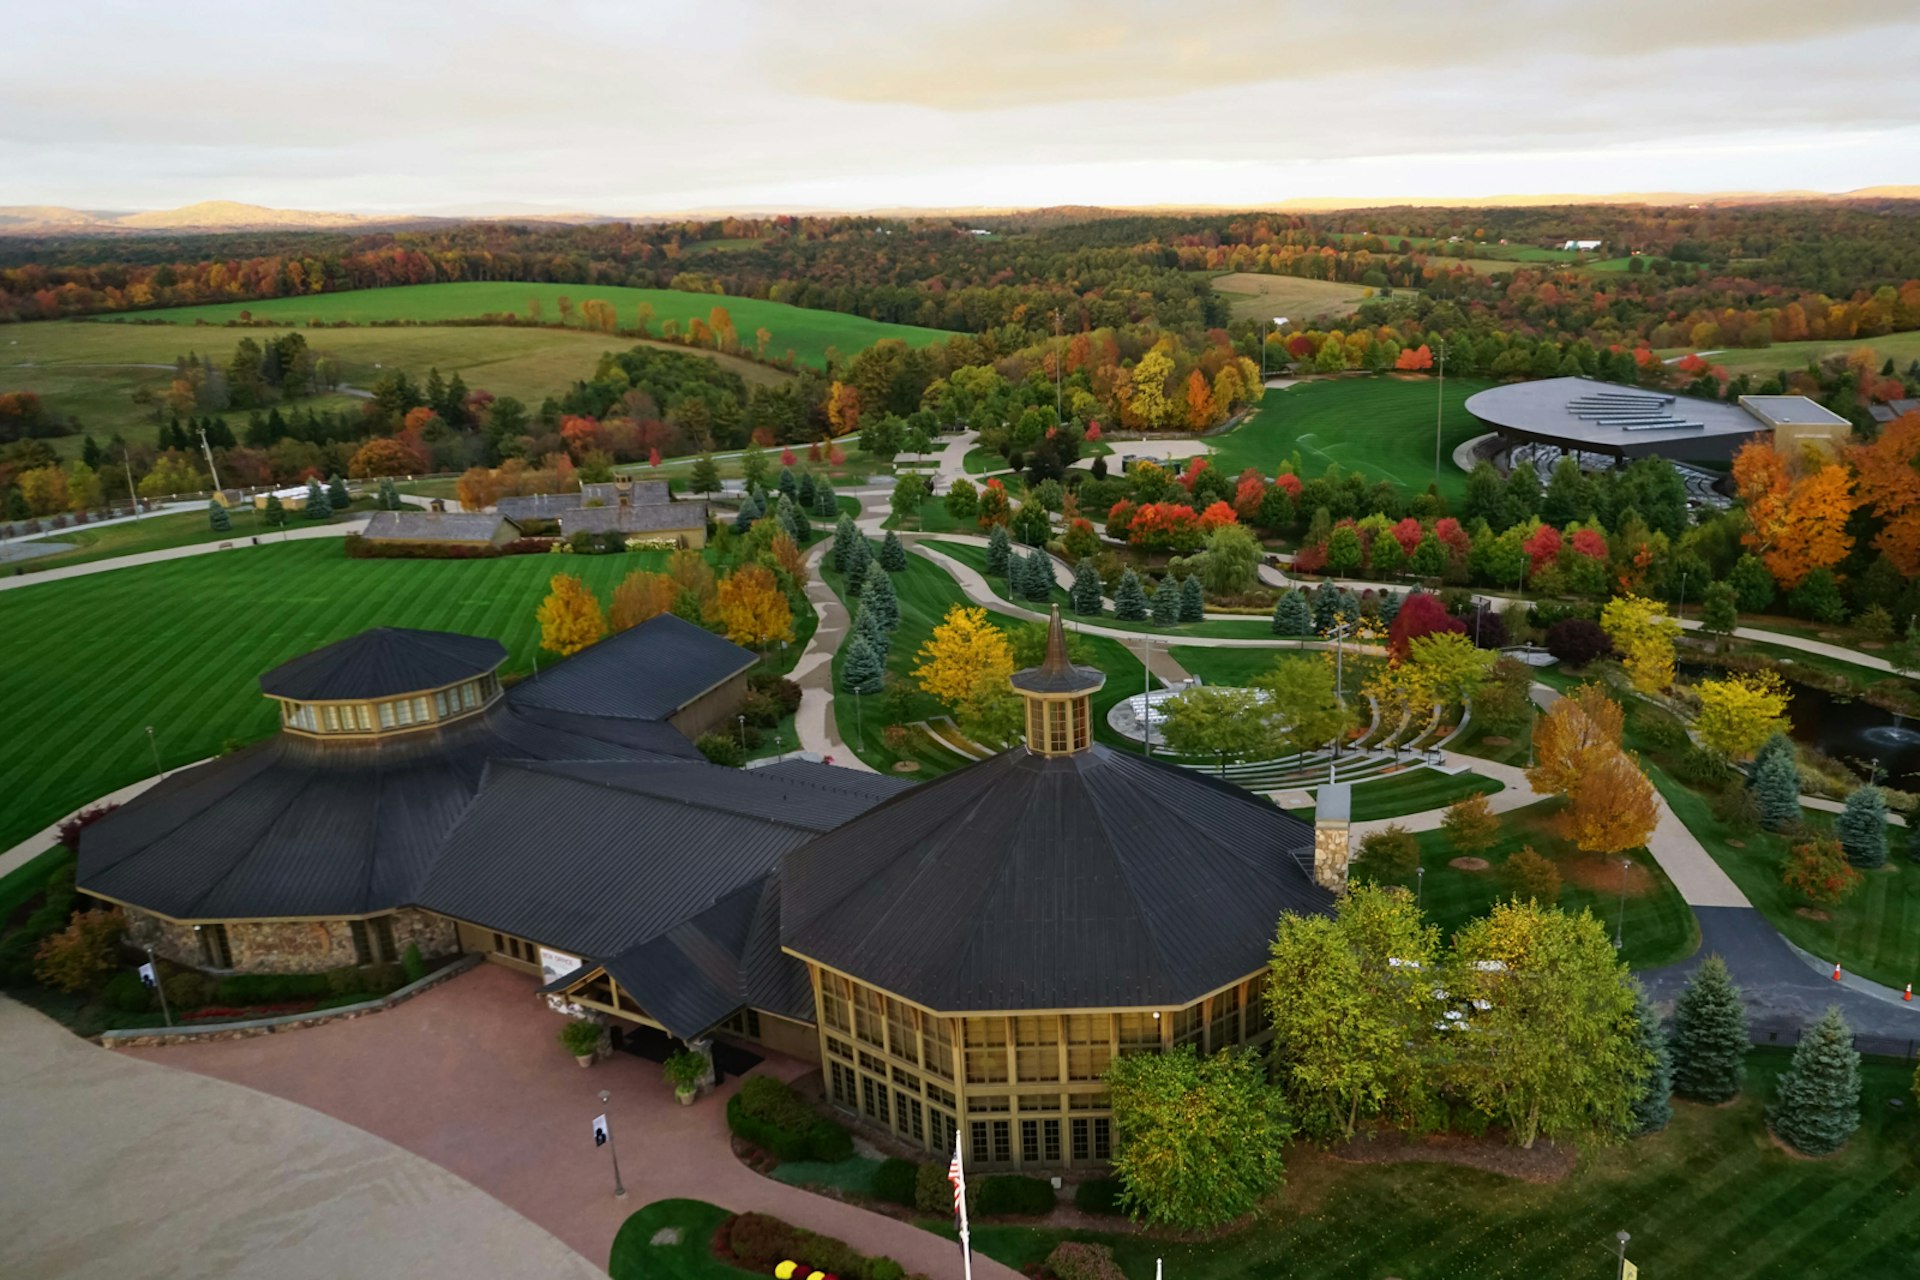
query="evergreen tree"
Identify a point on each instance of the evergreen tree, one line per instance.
(1862, 828)
(276, 513)
(318, 508)
(1389, 606)
(705, 477)
(1752, 585)
(1040, 577)
(389, 494)
(788, 516)
(337, 496)
(825, 504)
(1776, 789)
(807, 495)
(1708, 1036)
(893, 555)
(217, 516)
(1655, 1106)
(1817, 1107)
(91, 453)
(1291, 615)
(845, 534)
(1086, 589)
(1326, 603)
(1129, 599)
(877, 595)
(1193, 600)
(997, 550)
(750, 511)
(862, 670)
(787, 485)
(1719, 609)
(870, 626)
(859, 560)
(1166, 603)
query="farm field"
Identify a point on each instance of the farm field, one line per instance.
(91, 370)
(1381, 427)
(1710, 1195)
(179, 646)
(1765, 361)
(1256, 295)
(807, 333)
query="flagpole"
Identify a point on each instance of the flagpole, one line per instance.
(958, 1177)
(159, 990)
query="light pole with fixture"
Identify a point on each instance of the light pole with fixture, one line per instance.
(619, 1189)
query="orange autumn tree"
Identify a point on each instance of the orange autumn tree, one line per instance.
(1889, 482)
(1610, 806)
(1797, 510)
(749, 604)
(1573, 730)
(642, 595)
(1200, 413)
(843, 408)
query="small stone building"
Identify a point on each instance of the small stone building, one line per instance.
(441, 528)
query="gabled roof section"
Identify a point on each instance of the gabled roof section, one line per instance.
(1095, 880)
(382, 663)
(646, 519)
(434, 526)
(647, 672)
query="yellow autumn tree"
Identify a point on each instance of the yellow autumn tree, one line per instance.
(752, 608)
(843, 408)
(1739, 713)
(641, 595)
(1642, 634)
(1573, 726)
(1148, 405)
(1611, 805)
(570, 617)
(964, 653)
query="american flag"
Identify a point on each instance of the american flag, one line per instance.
(958, 1178)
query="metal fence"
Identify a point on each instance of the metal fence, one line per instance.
(1787, 1035)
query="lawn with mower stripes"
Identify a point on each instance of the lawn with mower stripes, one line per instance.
(93, 661)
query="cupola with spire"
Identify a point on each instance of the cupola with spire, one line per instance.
(1059, 697)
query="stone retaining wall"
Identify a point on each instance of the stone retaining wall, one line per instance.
(146, 1037)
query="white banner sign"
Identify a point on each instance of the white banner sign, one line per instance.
(599, 1131)
(555, 965)
(148, 976)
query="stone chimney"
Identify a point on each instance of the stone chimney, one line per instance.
(1332, 843)
(623, 491)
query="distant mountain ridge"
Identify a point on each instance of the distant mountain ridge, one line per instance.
(230, 215)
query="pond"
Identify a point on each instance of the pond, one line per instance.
(1849, 729)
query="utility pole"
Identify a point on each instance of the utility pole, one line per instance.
(619, 1190)
(1620, 920)
(1439, 407)
(158, 988)
(208, 450)
(1146, 688)
(133, 499)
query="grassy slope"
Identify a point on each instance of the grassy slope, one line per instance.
(179, 645)
(157, 533)
(1762, 361)
(1380, 427)
(634, 1256)
(62, 362)
(1414, 791)
(1710, 1196)
(808, 333)
(1255, 295)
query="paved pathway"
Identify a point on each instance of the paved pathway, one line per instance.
(469, 1076)
(119, 1169)
(813, 672)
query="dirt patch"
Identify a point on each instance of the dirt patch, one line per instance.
(1734, 842)
(1794, 1152)
(1544, 1163)
(1470, 864)
(906, 766)
(1871, 644)
(1495, 740)
(1812, 913)
(1598, 873)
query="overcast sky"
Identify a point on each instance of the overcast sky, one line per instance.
(640, 106)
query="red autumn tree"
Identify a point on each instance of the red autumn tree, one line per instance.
(653, 457)
(1453, 538)
(1590, 543)
(1542, 546)
(787, 457)
(1420, 357)
(1421, 614)
(1248, 495)
(1120, 518)
(1408, 534)
(1217, 514)
(1291, 483)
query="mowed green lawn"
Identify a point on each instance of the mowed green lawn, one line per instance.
(93, 661)
(1381, 427)
(1763, 362)
(805, 332)
(1710, 1197)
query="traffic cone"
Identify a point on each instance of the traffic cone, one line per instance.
(1909, 996)
(1836, 972)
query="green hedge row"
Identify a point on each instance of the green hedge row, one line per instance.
(761, 1243)
(770, 1115)
(1012, 1193)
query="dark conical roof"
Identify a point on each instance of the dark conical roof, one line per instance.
(1056, 674)
(381, 663)
(1093, 880)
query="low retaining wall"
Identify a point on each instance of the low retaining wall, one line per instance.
(146, 1037)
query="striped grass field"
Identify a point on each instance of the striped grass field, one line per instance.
(1710, 1196)
(1412, 791)
(93, 661)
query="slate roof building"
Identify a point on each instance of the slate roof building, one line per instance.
(964, 956)
(459, 528)
(639, 508)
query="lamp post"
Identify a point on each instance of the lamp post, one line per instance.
(154, 742)
(619, 1189)
(159, 989)
(1439, 405)
(1420, 887)
(1620, 919)
(1620, 1238)
(743, 731)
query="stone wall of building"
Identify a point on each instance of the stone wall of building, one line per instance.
(436, 934)
(289, 946)
(1331, 853)
(170, 941)
(713, 711)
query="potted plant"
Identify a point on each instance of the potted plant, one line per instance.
(582, 1039)
(684, 1071)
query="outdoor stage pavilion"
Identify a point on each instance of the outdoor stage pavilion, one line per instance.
(964, 954)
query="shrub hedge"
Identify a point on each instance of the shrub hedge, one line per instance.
(1013, 1193)
(1098, 1195)
(1071, 1260)
(932, 1193)
(760, 1242)
(770, 1115)
(896, 1181)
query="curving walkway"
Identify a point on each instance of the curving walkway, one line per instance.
(814, 721)
(339, 530)
(130, 1170)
